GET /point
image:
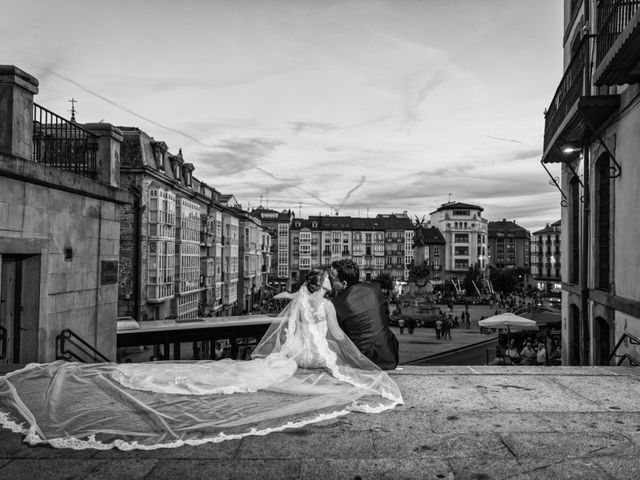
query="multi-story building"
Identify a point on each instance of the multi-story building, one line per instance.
(545, 258)
(465, 234)
(509, 245)
(230, 254)
(430, 248)
(591, 128)
(380, 244)
(278, 224)
(250, 260)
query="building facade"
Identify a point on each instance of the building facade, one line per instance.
(430, 249)
(546, 258)
(278, 225)
(60, 204)
(382, 244)
(509, 245)
(591, 128)
(466, 235)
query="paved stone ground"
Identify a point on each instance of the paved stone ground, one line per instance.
(484, 422)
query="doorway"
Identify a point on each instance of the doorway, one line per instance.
(19, 307)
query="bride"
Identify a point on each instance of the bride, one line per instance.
(304, 370)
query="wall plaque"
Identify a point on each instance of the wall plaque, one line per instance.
(108, 272)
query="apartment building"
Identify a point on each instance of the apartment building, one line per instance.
(591, 127)
(546, 258)
(509, 245)
(430, 247)
(278, 225)
(465, 232)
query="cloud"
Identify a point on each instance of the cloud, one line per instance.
(313, 126)
(501, 139)
(237, 155)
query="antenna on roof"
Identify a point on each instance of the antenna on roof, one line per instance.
(449, 198)
(300, 209)
(73, 102)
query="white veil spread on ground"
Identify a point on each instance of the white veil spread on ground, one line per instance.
(169, 404)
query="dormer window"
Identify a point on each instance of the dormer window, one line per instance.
(159, 154)
(315, 224)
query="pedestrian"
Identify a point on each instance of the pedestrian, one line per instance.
(541, 355)
(446, 329)
(401, 325)
(411, 324)
(468, 321)
(528, 354)
(439, 326)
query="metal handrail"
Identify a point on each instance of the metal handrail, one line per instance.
(68, 336)
(613, 17)
(3, 342)
(62, 144)
(633, 340)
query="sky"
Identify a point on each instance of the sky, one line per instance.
(349, 107)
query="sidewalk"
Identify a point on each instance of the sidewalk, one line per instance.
(491, 423)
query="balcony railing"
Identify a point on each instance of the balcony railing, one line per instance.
(617, 31)
(574, 113)
(62, 144)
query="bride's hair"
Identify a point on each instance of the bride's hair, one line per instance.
(314, 279)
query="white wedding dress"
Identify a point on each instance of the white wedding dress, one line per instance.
(300, 373)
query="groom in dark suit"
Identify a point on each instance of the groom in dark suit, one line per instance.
(363, 314)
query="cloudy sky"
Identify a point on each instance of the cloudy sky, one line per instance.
(322, 106)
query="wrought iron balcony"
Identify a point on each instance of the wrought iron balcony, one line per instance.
(574, 113)
(63, 144)
(618, 42)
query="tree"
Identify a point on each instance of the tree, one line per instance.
(507, 280)
(473, 275)
(385, 281)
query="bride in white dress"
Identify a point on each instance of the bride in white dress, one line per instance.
(304, 370)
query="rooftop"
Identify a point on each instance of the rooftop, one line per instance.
(463, 422)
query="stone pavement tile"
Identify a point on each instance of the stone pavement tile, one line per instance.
(10, 443)
(226, 449)
(451, 392)
(226, 469)
(433, 370)
(468, 422)
(419, 444)
(49, 452)
(397, 419)
(53, 469)
(627, 423)
(530, 393)
(538, 370)
(308, 442)
(610, 392)
(569, 469)
(620, 468)
(3, 462)
(486, 468)
(535, 445)
(381, 469)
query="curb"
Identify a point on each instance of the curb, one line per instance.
(449, 352)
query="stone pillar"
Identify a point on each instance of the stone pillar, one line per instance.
(108, 154)
(17, 89)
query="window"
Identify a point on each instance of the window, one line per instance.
(461, 238)
(305, 263)
(461, 213)
(436, 251)
(461, 251)
(462, 263)
(574, 231)
(603, 195)
(305, 237)
(305, 249)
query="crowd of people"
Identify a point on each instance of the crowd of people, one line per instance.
(542, 350)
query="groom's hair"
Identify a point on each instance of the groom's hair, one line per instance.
(347, 270)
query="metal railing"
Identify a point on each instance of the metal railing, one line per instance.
(626, 337)
(84, 352)
(62, 144)
(3, 342)
(613, 17)
(571, 88)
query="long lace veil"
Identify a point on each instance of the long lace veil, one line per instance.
(169, 404)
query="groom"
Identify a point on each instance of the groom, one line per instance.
(363, 314)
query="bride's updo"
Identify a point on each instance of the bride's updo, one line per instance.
(314, 279)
